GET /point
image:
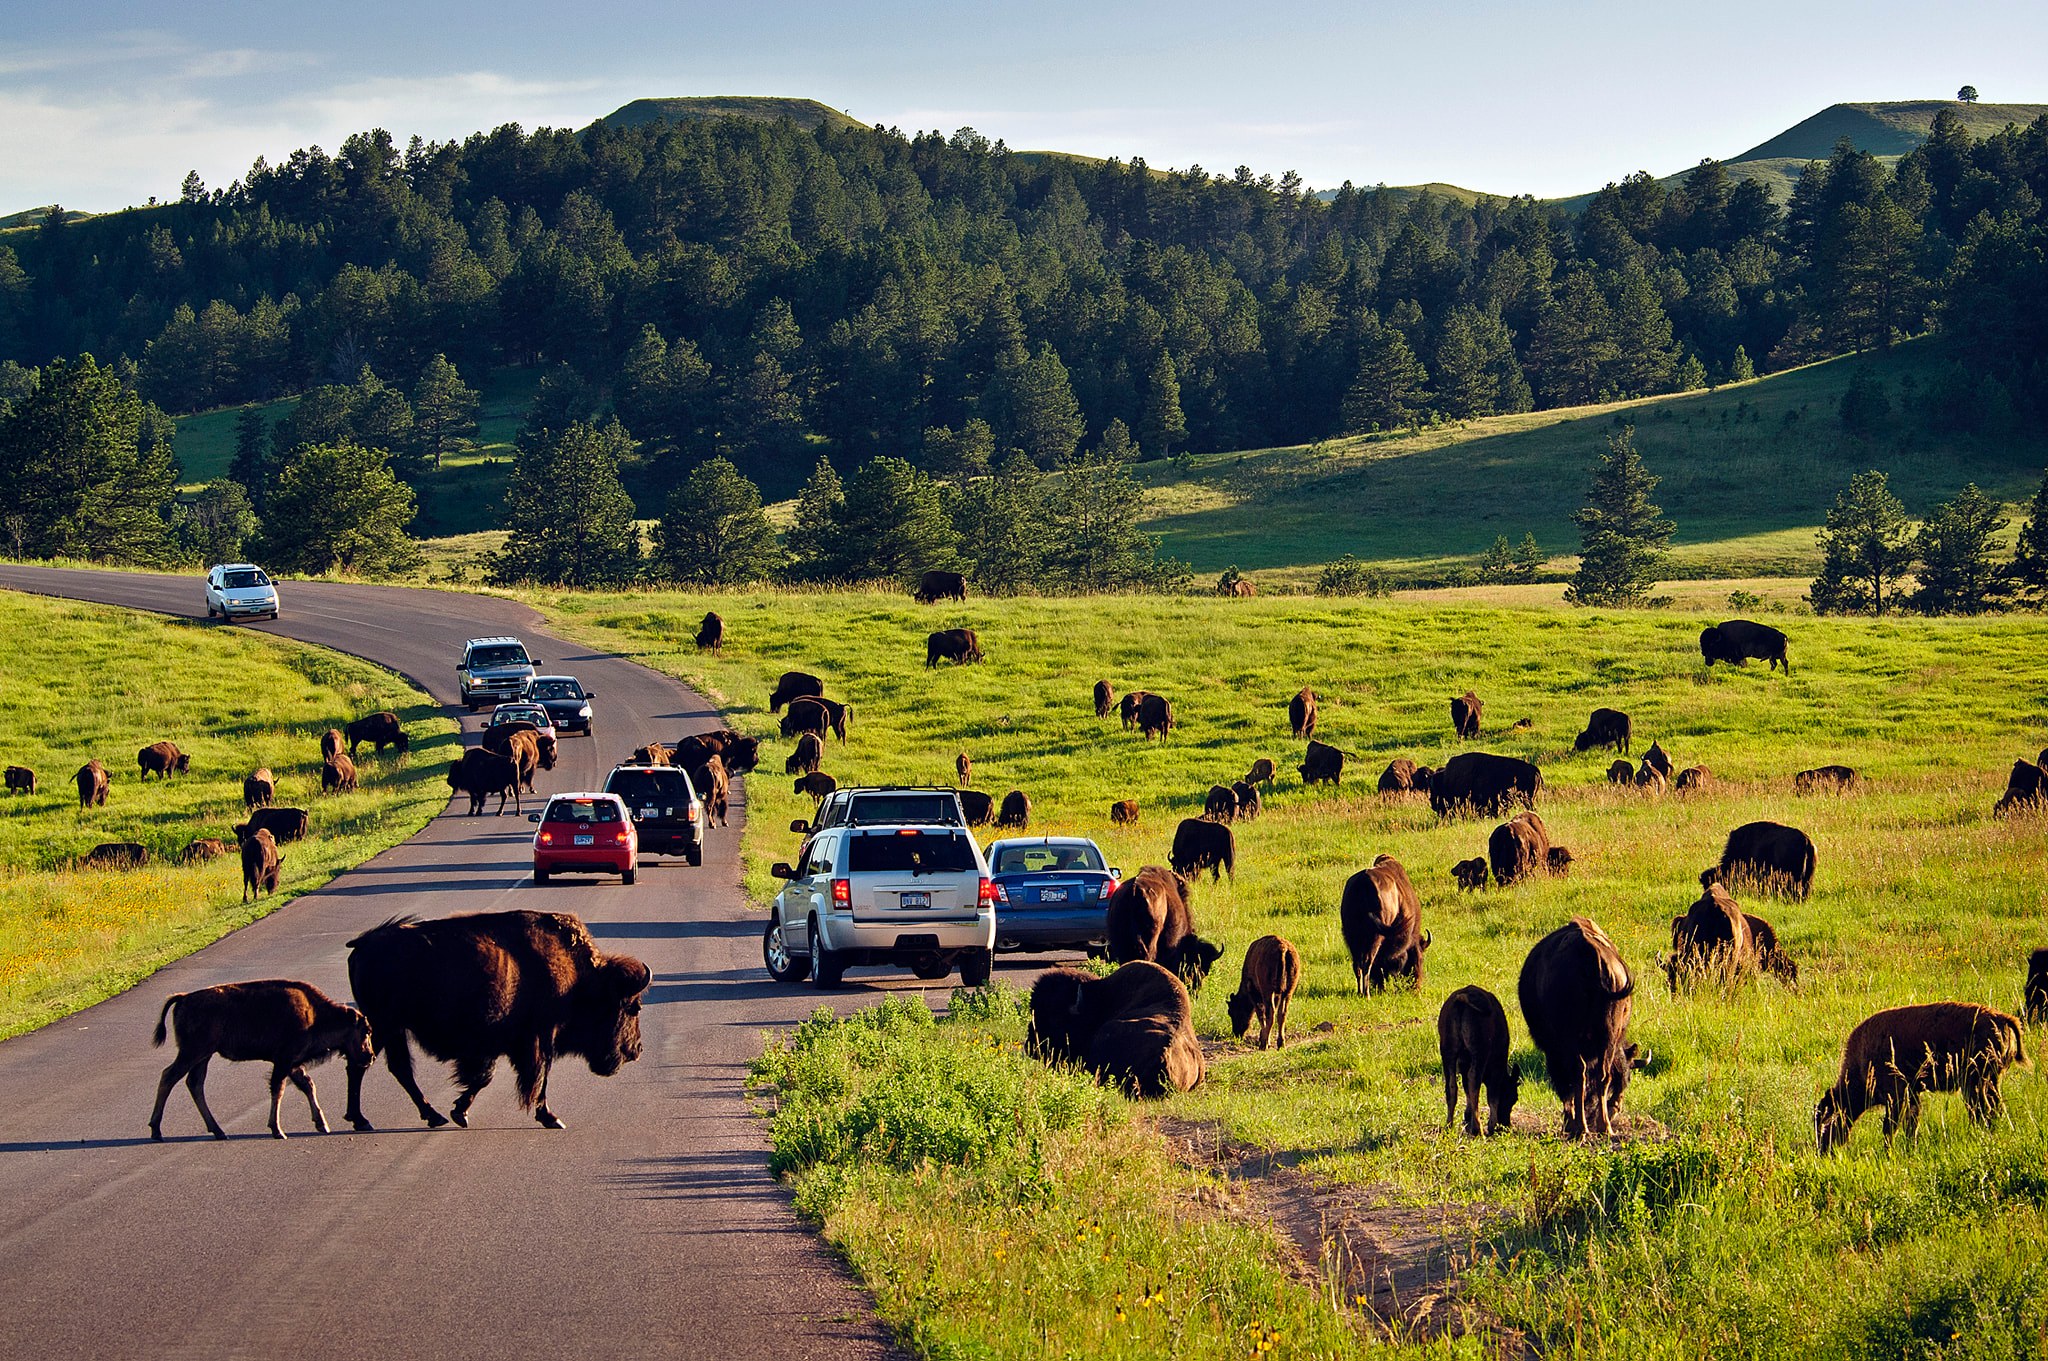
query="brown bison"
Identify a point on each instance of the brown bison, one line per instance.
(1202, 845)
(1652, 779)
(977, 807)
(1272, 970)
(1124, 812)
(1659, 760)
(260, 864)
(1155, 716)
(1322, 764)
(1480, 784)
(1621, 773)
(1715, 940)
(741, 753)
(1301, 713)
(1134, 1028)
(1105, 699)
(2024, 787)
(650, 754)
(1403, 776)
(711, 633)
(1472, 1040)
(2034, 997)
(1606, 728)
(1381, 918)
(793, 685)
(332, 741)
(1575, 993)
(287, 1024)
(115, 855)
(714, 786)
(1771, 856)
(815, 713)
(337, 774)
(92, 784)
(1470, 874)
(520, 744)
(1249, 805)
(817, 784)
(1127, 708)
(21, 780)
(936, 586)
(959, 646)
(1465, 711)
(382, 729)
(1221, 805)
(480, 773)
(259, 790)
(528, 986)
(1824, 778)
(1260, 773)
(808, 756)
(963, 768)
(1694, 780)
(163, 760)
(1521, 847)
(1894, 1056)
(283, 824)
(1738, 640)
(199, 850)
(1016, 811)
(1149, 917)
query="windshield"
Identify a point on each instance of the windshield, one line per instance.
(242, 580)
(555, 689)
(498, 656)
(638, 787)
(870, 809)
(1031, 859)
(524, 714)
(582, 810)
(917, 852)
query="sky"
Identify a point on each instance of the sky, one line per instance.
(106, 103)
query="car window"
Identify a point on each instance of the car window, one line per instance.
(240, 580)
(649, 786)
(582, 810)
(1034, 859)
(914, 852)
(870, 809)
(505, 714)
(498, 656)
(556, 690)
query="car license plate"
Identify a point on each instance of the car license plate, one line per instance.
(914, 900)
(1052, 895)
(586, 840)
(649, 812)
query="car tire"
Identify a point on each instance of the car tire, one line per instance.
(975, 967)
(783, 966)
(827, 967)
(628, 876)
(540, 876)
(694, 854)
(932, 967)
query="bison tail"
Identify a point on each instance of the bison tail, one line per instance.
(389, 924)
(161, 1033)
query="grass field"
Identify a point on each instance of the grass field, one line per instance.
(1714, 1229)
(105, 682)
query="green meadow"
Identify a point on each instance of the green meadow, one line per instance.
(1712, 1228)
(89, 680)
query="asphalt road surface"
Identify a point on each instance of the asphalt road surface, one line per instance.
(649, 1227)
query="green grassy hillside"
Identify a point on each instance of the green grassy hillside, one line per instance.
(1749, 472)
(805, 113)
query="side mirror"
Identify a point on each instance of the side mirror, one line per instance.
(1116, 874)
(590, 694)
(800, 827)
(781, 869)
(533, 817)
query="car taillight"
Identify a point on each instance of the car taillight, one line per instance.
(547, 838)
(621, 837)
(987, 897)
(693, 812)
(1002, 894)
(1108, 890)
(842, 892)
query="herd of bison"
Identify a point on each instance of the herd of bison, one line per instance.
(530, 986)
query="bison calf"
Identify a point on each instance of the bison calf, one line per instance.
(1472, 1039)
(283, 1023)
(1124, 812)
(163, 760)
(1894, 1056)
(1272, 969)
(337, 774)
(1470, 874)
(1261, 772)
(817, 784)
(21, 780)
(202, 849)
(2035, 998)
(808, 756)
(963, 767)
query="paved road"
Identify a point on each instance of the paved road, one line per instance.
(649, 1227)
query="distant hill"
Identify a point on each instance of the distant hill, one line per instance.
(805, 113)
(33, 217)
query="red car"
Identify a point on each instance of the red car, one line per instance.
(585, 832)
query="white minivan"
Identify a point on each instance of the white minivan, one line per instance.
(240, 589)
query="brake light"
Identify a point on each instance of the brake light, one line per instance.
(987, 897)
(620, 837)
(693, 812)
(547, 838)
(842, 893)
(1108, 890)
(1002, 894)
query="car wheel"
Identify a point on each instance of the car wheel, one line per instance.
(783, 966)
(694, 854)
(540, 876)
(628, 876)
(826, 965)
(975, 967)
(932, 966)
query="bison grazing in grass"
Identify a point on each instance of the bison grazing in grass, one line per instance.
(1825, 779)
(286, 1024)
(1149, 918)
(260, 864)
(381, 729)
(1127, 708)
(793, 685)
(1770, 856)
(1479, 783)
(1403, 776)
(259, 790)
(1016, 811)
(817, 784)
(1693, 780)
(2034, 997)
(976, 806)
(1381, 917)
(163, 760)
(1134, 1028)
(2024, 787)
(1659, 760)
(283, 824)
(1105, 699)
(1221, 805)
(1124, 812)
(807, 757)
(1322, 764)
(526, 986)
(1606, 728)
(959, 646)
(1738, 640)
(337, 774)
(1472, 1040)
(1521, 847)
(199, 850)
(331, 741)
(1575, 993)
(1199, 844)
(711, 633)
(1465, 711)
(1894, 1056)
(1249, 804)
(1652, 780)
(480, 773)
(1155, 717)
(1621, 773)
(1470, 874)
(1261, 772)
(115, 855)
(92, 784)
(936, 586)
(1272, 970)
(1712, 941)
(21, 780)
(1301, 713)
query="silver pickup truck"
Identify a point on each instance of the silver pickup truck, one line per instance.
(493, 671)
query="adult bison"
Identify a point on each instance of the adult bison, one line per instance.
(1824, 779)
(1134, 1028)
(163, 760)
(1301, 713)
(480, 773)
(519, 745)
(1249, 805)
(528, 986)
(714, 786)
(259, 788)
(283, 824)
(1465, 712)
(1016, 811)
(1403, 776)
(1155, 716)
(1521, 847)
(2024, 787)
(1199, 844)
(1693, 780)
(1716, 941)
(92, 784)
(1621, 773)
(1221, 805)
(793, 685)
(1105, 699)
(1482, 784)
(337, 774)
(1659, 760)
(1738, 640)
(807, 757)
(1771, 856)
(1149, 918)
(115, 855)
(977, 806)
(2034, 996)
(1124, 812)
(1127, 708)
(816, 714)
(1575, 992)
(260, 864)
(959, 646)
(382, 729)
(711, 633)
(1895, 1055)
(21, 780)
(1606, 728)
(1472, 1041)
(1470, 874)
(1381, 917)
(1322, 764)
(936, 586)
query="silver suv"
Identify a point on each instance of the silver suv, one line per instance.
(493, 671)
(918, 897)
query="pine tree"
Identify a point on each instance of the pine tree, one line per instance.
(2029, 567)
(1094, 542)
(254, 463)
(1002, 526)
(1574, 352)
(1956, 573)
(1528, 559)
(1034, 406)
(443, 411)
(1865, 549)
(1644, 359)
(85, 474)
(892, 524)
(338, 508)
(813, 538)
(1622, 532)
(1497, 563)
(714, 532)
(570, 518)
(1391, 385)
(1116, 442)
(1163, 424)
(215, 524)
(959, 456)
(1740, 370)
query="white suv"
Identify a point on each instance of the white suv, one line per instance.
(239, 588)
(916, 897)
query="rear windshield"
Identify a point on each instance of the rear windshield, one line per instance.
(916, 852)
(1029, 859)
(582, 810)
(650, 786)
(237, 580)
(870, 809)
(534, 716)
(561, 689)
(498, 656)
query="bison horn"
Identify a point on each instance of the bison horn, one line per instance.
(1427, 937)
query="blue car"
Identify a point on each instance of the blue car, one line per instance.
(1052, 893)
